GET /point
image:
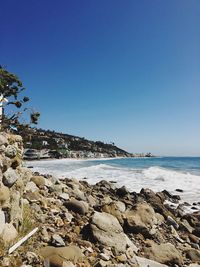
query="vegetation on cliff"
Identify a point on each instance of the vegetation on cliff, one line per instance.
(65, 144)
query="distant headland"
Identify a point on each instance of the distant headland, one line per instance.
(41, 144)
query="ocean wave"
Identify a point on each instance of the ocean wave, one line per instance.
(156, 177)
(156, 172)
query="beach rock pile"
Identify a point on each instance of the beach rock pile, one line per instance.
(89, 225)
(13, 179)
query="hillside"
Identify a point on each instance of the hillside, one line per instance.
(65, 145)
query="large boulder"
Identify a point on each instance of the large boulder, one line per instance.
(157, 201)
(165, 253)
(77, 206)
(10, 177)
(141, 219)
(38, 180)
(107, 231)
(57, 256)
(9, 233)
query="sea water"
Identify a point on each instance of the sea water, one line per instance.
(169, 173)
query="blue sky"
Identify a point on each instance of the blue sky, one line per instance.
(122, 71)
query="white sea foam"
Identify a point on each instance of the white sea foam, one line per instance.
(156, 178)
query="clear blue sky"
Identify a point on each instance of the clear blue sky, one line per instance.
(111, 70)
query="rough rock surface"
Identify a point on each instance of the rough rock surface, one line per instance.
(107, 230)
(165, 253)
(10, 177)
(80, 207)
(9, 233)
(38, 180)
(141, 218)
(57, 256)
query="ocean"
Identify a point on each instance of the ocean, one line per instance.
(161, 173)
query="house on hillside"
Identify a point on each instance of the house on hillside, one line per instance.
(45, 143)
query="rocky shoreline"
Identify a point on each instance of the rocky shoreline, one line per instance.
(88, 225)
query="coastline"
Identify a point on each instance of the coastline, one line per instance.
(133, 173)
(87, 159)
(105, 225)
(76, 223)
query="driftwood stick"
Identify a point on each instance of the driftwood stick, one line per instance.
(21, 241)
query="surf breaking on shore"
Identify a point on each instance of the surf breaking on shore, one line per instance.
(154, 177)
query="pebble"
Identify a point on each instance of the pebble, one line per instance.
(64, 196)
(104, 256)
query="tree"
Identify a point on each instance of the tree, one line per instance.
(10, 89)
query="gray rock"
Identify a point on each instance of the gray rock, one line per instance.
(68, 216)
(57, 188)
(48, 183)
(64, 196)
(57, 240)
(11, 151)
(141, 219)
(31, 187)
(77, 206)
(9, 233)
(165, 253)
(107, 231)
(10, 177)
(121, 206)
(2, 221)
(104, 257)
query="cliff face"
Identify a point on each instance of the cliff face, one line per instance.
(13, 178)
